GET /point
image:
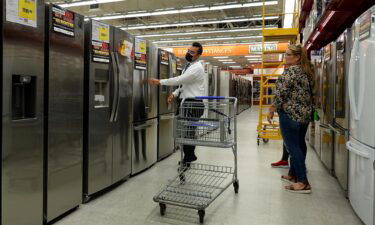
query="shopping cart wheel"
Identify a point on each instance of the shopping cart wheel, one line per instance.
(201, 214)
(236, 186)
(163, 207)
(265, 140)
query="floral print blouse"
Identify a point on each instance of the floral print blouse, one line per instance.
(293, 94)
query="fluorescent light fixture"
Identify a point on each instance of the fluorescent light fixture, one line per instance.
(221, 57)
(177, 11)
(225, 60)
(209, 39)
(198, 23)
(289, 9)
(91, 2)
(229, 62)
(253, 56)
(204, 32)
(235, 66)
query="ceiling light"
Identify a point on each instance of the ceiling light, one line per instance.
(229, 62)
(221, 57)
(253, 56)
(209, 39)
(204, 32)
(225, 60)
(82, 3)
(177, 11)
(198, 23)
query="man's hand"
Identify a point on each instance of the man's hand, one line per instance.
(170, 99)
(154, 82)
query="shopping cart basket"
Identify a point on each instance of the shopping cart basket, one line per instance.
(202, 121)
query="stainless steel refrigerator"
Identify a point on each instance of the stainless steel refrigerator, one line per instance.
(327, 101)
(63, 111)
(341, 109)
(145, 121)
(107, 107)
(167, 67)
(22, 79)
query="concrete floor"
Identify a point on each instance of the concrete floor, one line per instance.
(261, 199)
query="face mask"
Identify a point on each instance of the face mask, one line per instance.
(188, 57)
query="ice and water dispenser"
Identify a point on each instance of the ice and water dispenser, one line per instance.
(23, 97)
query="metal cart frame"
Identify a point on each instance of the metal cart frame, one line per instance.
(197, 185)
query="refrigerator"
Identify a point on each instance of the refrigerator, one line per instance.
(167, 68)
(315, 133)
(361, 144)
(22, 79)
(63, 130)
(107, 107)
(341, 109)
(145, 107)
(327, 101)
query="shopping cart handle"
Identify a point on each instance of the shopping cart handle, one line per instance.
(209, 97)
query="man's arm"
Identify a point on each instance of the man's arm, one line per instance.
(186, 78)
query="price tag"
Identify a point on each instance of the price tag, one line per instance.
(104, 34)
(27, 9)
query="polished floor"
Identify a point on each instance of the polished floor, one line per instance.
(261, 199)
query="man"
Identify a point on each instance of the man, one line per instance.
(191, 84)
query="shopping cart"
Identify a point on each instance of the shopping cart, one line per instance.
(202, 121)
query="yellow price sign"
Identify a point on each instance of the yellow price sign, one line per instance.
(27, 9)
(104, 34)
(142, 47)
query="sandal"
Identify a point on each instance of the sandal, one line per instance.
(306, 189)
(289, 179)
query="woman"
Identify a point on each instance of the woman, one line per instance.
(294, 104)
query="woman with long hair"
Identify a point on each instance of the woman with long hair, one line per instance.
(294, 102)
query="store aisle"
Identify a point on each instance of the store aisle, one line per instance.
(261, 199)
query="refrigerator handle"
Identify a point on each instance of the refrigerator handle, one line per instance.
(352, 68)
(114, 91)
(147, 92)
(356, 151)
(117, 87)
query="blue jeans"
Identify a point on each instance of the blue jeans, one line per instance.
(294, 133)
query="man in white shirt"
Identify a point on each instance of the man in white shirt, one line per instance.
(191, 84)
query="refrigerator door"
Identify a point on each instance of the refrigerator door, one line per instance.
(361, 83)
(341, 157)
(165, 72)
(22, 74)
(144, 145)
(145, 96)
(317, 144)
(326, 154)
(166, 141)
(341, 112)
(122, 120)
(361, 180)
(64, 105)
(327, 85)
(98, 129)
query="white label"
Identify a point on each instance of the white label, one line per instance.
(99, 98)
(63, 31)
(22, 12)
(100, 60)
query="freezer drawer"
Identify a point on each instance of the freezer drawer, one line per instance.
(361, 180)
(341, 157)
(326, 140)
(144, 149)
(165, 136)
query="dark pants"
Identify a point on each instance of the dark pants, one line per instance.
(193, 109)
(285, 156)
(294, 133)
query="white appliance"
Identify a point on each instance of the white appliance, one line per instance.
(361, 145)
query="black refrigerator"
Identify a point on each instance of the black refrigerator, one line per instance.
(107, 107)
(63, 130)
(22, 87)
(145, 106)
(167, 68)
